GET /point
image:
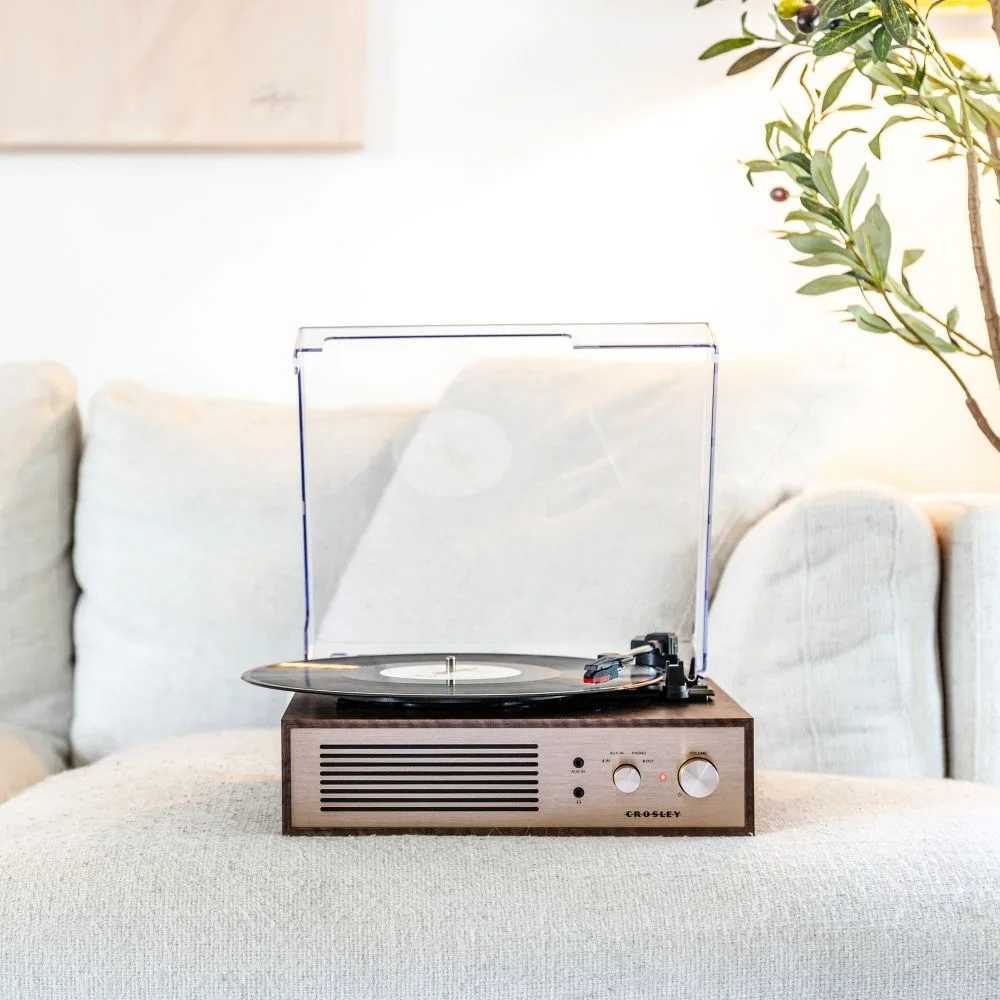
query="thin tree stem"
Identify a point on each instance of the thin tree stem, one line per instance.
(991, 135)
(986, 295)
(982, 423)
(919, 339)
(970, 401)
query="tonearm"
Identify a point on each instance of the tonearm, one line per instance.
(655, 651)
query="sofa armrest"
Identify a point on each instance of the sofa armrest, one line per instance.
(21, 764)
(968, 529)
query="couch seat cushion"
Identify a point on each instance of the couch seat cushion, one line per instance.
(160, 872)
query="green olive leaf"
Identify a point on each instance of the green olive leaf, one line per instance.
(828, 283)
(845, 132)
(839, 8)
(881, 43)
(903, 293)
(832, 258)
(873, 239)
(813, 218)
(876, 144)
(799, 159)
(896, 18)
(811, 243)
(821, 171)
(927, 337)
(726, 45)
(750, 59)
(853, 196)
(839, 38)
(836, 86)
(869, 321)
(788, 62)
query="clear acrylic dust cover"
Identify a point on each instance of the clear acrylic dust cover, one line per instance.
(505, 489)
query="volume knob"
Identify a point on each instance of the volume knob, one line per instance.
(698, 777)
(626, 778)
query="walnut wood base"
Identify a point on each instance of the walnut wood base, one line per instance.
(544, 769)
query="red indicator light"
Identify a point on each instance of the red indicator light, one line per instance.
(663, 776)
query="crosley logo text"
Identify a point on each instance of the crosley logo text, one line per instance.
(653, 814)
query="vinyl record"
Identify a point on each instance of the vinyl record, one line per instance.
(446, 677)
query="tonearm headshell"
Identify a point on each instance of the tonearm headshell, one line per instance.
(656, 651)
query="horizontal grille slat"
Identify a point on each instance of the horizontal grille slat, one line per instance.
(425, 756)
(474, 772)
(428, 777)
(431, 782)
(471, 809)
(379, 800)
(428, 746)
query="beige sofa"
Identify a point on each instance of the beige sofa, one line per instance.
(861, 627)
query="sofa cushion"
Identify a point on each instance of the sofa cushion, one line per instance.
(969, 532)
(161, 873)
(39, 449)
(824, 628)
(583, 521)
(189, 555)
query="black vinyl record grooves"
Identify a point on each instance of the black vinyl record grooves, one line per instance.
(424, 678)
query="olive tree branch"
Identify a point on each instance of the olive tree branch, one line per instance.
(990, 315)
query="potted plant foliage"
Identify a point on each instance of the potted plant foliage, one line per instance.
(912, 81)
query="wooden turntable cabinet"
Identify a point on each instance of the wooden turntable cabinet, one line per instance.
(625, 766)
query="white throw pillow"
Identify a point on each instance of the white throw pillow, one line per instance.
(550, 505)
(39, 451)
(824, 626)
(189, 555)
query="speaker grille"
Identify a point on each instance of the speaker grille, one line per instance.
(428, 777)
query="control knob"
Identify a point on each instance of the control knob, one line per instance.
(698, 777)
(627, 778)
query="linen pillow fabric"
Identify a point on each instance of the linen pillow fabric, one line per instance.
(189, 555)
(969, 532)
(39, 449)
(824, 628)
(565, 517)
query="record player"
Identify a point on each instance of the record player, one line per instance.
(518, 642)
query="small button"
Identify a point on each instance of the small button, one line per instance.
(578, 762)
(578, 792)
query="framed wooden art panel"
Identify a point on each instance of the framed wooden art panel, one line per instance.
(181, 74)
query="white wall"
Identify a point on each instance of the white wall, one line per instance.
(526, 161)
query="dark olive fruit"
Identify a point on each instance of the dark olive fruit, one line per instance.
(835, 23)
(779, 194)
(807, 18)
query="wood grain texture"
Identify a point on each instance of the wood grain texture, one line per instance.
(628, 710)
(265, 74)
(720, 731)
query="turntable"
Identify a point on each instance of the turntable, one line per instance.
(546, 492)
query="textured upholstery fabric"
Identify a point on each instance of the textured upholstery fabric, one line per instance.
(39, 449)
(969, 532)
(189, 557)
(576, 521)
(160, 873)
(824, 627)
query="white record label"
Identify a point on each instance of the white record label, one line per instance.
(461, 672)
